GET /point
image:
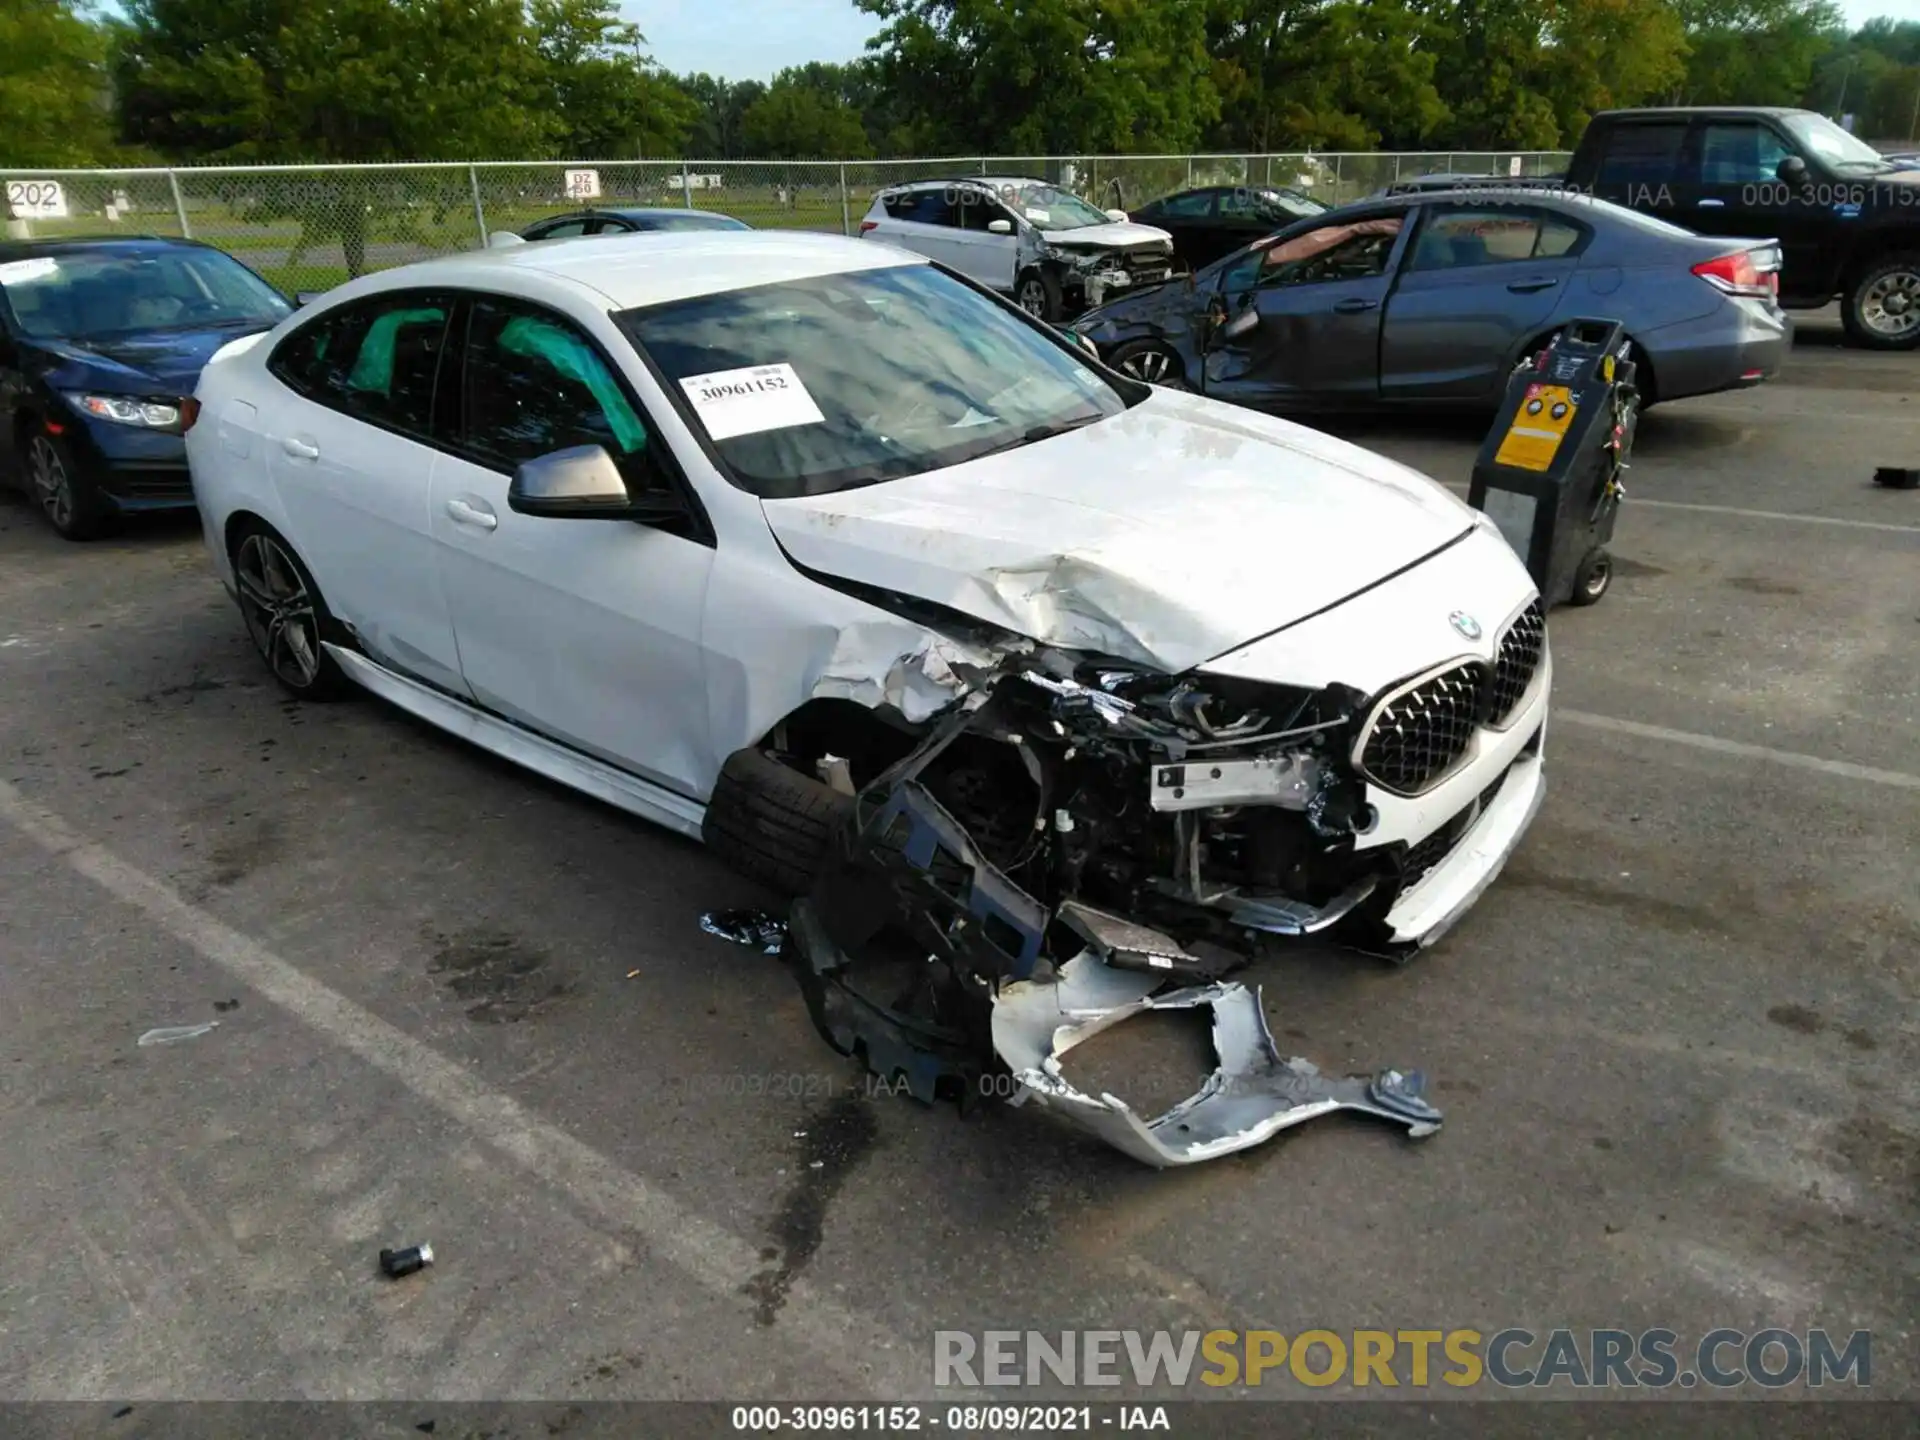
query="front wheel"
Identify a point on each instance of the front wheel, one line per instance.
(68, 500)
(1152, 362)
(1039, 295)
(1882, 307)
(285, 615)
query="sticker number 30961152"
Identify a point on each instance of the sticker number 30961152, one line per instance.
(750, 400)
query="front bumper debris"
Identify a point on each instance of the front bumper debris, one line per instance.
(1251, 1095)
(938, 969)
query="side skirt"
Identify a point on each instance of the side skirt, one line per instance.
(538, 754)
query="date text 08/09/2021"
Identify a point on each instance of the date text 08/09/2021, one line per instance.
(953, 1419)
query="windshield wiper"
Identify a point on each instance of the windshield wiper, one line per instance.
(1034, 434)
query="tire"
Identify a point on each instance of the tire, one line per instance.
(772, 823)
(67, 499)
(285, 614)
(1138, 358)
(1593, 578)
(1881, 310)
(1038, 293)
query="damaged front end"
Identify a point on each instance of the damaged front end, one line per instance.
(1067, 840)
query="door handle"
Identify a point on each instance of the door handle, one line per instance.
(1527, 287)
(1355, 306)
(1713, 204)
(464, 514)
(300, 449)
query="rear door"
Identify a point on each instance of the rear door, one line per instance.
(350, 448)
(1738, 192)
(923, 221)
(1477, 282)
(1317, 300)
(1646, 165)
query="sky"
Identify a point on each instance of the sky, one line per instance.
(751, 39)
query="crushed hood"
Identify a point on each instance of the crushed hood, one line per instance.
(1166, 536)
(1115, 236)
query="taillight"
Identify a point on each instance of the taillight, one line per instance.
(189, 412)
(866, 225)
(1739, 274)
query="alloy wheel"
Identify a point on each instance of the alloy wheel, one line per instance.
(52, 485)
(1891, 306)
(1148, 365)
(279, 610)
(1033, 299)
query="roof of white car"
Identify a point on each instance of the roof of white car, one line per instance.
(651, 267)
(985, 182)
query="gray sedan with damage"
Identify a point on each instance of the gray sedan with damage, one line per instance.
(1431, 299)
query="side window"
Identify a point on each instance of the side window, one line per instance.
(376, 361)
(1195, 205)
(1738, 153)
(1642, 154)
(535, 385)
(565, 230)
(1244, 273)
(1352, 251)
(975, 208)
(1456, 239)
(922, 207)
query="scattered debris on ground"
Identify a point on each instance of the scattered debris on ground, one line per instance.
(398, 1264)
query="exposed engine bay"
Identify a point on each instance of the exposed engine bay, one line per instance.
(1063, 842)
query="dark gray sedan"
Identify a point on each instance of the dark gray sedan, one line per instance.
(1431, 299)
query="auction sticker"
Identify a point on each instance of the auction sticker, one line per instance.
(745, 402)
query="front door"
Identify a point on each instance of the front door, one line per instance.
(1316, 301)
(1739, 193)
(981, 254)
(350, 456)
(1478, 282)
(585, 630)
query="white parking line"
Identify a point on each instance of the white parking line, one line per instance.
(1790, 758)
(716, 1258)
(1463, 487)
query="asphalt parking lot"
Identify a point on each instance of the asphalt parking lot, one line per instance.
(1676, 1044)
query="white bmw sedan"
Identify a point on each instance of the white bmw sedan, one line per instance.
(728, 529)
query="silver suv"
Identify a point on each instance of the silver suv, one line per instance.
(1046, 247)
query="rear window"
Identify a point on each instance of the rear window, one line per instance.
(1642, 154)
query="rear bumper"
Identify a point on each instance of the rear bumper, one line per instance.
(1737, 344)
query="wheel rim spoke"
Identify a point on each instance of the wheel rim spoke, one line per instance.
(278, 610)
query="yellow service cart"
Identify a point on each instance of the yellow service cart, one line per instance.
(1549, 472)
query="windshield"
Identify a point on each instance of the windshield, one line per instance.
(98, 294)
(1049, 209)
(818, 385)
(1835, 146)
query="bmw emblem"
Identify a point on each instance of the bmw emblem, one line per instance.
(1465, 624)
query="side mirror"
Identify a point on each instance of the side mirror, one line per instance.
(584, 483)
(1792, 170)
(1119, 216)
(999, 227)
(304, 298)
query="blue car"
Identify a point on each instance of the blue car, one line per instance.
(101, 345)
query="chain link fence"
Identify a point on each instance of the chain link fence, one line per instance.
(306, 228)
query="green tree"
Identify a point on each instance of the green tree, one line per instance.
(53, 84)
(802, 119)
(289, 80)
(1322, 74)
(610, 101)
(1047, 76)
(719, 105)
(1752, 52)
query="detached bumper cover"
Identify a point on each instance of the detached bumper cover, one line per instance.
(1252, 1095)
